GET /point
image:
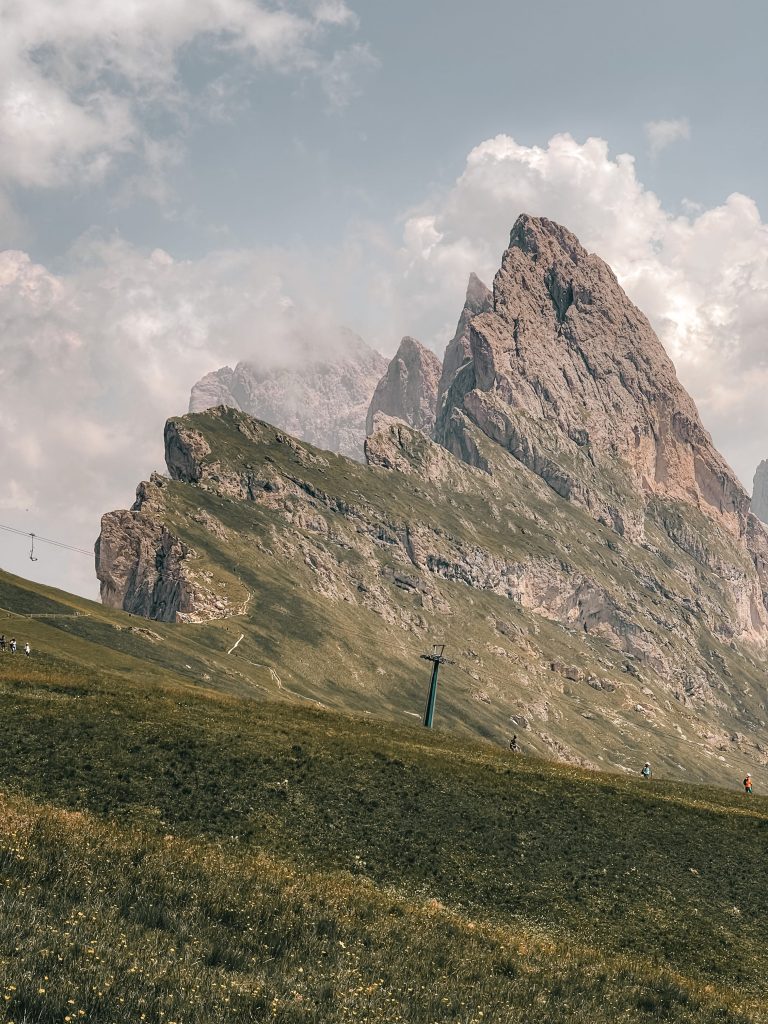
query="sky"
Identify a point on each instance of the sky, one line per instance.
(178, 181)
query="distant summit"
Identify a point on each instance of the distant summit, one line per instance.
(322, 399)
(408, 389)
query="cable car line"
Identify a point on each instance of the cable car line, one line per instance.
(44, 540)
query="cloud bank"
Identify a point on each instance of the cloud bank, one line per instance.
(95, 359)
(82, 81)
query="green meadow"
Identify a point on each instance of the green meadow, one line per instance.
(173, 854)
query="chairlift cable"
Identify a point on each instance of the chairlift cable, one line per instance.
(44, 540)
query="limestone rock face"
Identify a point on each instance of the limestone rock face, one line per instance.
(479, 299)
(216, 388)
(759, 506)
(393, 444)
(408, 390)
(566, 350)
(567, 375)
(139, 567)
(322, 400)
(145, 568)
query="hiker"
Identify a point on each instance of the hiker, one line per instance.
(27, 649)
(13, 645)
(748, 785)
(646, 772)
(514, 746)
(2, 642)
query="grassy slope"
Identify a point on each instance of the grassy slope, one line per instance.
(334, 650)
(197, 857)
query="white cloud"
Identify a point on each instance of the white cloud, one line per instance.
(340, 76)
(661, 134)
(78, 77)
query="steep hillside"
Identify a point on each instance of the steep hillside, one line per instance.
(172, 853)
(571, 533)
(589, 646)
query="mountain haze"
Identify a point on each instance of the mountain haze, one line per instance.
(322, 399)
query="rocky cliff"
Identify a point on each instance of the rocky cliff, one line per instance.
(479, 299)
(565, 348)
(408, 389)
(759, 503)
(574, 537)
(322, 400)
(567, 375)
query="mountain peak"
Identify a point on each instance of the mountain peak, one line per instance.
(567, 375)
(411, 348)
(565, 345)
(479, 299)
(408, 389)
(479, 296)
(539, 236)
(320, 395)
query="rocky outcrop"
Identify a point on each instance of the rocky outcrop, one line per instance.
(395, 445)
(139, 565)
(564, 345)
(408, 390)
(759, 504)
(142, 565)
(322, 400)
(217, 388)
(479, 299)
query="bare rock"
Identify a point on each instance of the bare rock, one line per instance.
(479, 299)
(139, 566)
(185, 450)
(759, 504)
(408, 389)
(564, 345)
(394, 445)
(322, 399)
(216, 388)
